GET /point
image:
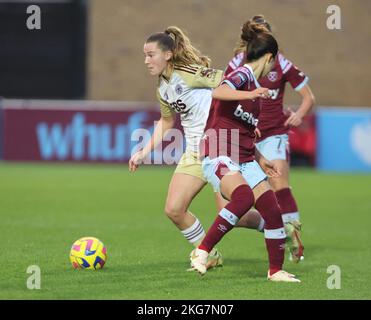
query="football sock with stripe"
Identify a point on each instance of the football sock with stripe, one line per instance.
(241, 201)
(195, 233)
(288, 205)
(274, 233)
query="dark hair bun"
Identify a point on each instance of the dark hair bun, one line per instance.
(259, 19)
(251, 29)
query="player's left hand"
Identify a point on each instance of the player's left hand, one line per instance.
(294, 120)
(270, 169)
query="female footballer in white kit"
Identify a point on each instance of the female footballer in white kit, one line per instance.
(185, 84)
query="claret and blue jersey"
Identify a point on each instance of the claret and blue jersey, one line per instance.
(272, 116)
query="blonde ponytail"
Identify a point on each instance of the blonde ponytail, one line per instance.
(184, 53)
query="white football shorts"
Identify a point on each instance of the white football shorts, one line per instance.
(274, 147)
(213, 171)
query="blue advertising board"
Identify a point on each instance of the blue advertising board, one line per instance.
(344, 139)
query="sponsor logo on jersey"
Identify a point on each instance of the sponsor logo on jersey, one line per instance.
(245, 116)
(179, 106)
(273, 93)
(178, 89)
(273, 76)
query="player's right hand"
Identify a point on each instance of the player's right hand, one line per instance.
(293, 120)
(135, 160)
(270, 169)
(257, 132)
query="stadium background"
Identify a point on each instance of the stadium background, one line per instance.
(83, 71)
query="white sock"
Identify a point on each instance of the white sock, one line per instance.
(275, 233)
(194, 233)
(291, 216)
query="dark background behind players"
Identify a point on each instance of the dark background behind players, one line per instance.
(97, 51)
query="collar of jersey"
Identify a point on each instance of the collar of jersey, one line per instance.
(257, 84)
(166, 75)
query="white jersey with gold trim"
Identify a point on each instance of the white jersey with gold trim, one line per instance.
(188, 92)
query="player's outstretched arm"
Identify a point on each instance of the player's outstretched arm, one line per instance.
(164, 124)
(225, 92)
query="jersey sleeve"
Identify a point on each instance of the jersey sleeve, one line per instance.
(164, 106)
(203, 77)
(237, 79)
(234, 63)
(292, 74)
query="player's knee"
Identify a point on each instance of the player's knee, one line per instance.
(279, 183)
(173, 211)
(242, 199)
(243, 192)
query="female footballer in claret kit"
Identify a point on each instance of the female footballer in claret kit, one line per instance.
(228, 153)
(272, 141)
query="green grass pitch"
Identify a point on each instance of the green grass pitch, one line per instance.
(44, 208)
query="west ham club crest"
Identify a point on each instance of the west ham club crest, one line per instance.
(272, 76)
